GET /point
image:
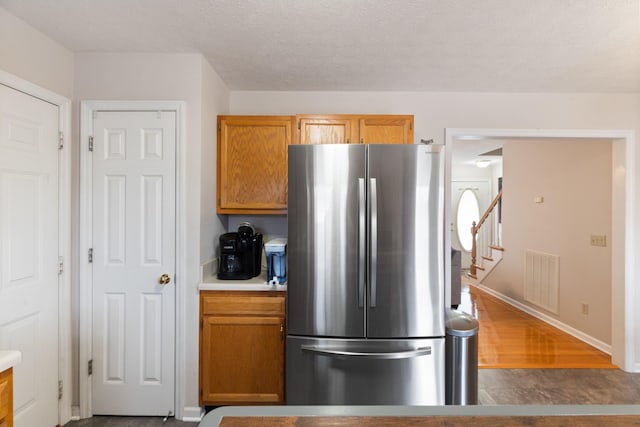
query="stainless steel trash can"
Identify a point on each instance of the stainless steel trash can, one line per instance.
(461, 359)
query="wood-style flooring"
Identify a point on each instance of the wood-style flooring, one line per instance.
(510, 338)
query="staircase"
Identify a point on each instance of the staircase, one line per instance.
(486, 249)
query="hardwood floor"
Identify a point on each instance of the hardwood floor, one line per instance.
(510, 338)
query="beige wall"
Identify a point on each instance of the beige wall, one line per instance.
(574, 179)
(32, 56)
(176, 77)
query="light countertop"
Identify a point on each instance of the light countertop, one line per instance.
(259, 283)
(8, 359)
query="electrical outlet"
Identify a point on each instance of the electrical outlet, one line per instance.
(585, 308)
(598, 240)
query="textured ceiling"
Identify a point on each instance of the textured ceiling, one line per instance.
(412, 45)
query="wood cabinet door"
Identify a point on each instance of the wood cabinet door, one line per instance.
(252, 163)
(327, 129)
(386, 130)
(242, 360)
(6, 398)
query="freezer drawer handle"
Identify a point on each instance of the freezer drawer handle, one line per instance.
(424, 351)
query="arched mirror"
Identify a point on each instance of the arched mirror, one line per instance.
(468, 211)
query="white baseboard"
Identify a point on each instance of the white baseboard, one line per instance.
(192, 414)
(604, 347)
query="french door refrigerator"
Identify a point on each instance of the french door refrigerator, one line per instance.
(365, 301)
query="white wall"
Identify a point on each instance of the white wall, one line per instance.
(574, 179)
(39, 60)
(180, 77)
(32, 56)
(215, 101)
(471, 172)
(436, 111)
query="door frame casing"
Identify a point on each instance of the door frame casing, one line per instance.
(64, 233)
(87, 110)
(625, 241)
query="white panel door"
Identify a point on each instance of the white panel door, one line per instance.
(29, 252)
(482, 191)
(134, 215)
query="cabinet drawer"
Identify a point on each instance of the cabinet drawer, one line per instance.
(242, 303)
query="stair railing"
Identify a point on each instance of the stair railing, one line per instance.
(489, 235)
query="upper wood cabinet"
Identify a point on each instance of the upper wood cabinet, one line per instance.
(327, 129)
(354, 129)
(386, 130)
(252, 164)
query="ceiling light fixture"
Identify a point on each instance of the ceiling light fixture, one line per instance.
(483, 163)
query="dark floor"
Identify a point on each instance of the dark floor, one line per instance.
(557, 387)
(103, 421)
(495, 387)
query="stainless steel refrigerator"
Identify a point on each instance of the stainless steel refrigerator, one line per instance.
(365, 301)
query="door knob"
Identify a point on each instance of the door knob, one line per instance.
(164, 279)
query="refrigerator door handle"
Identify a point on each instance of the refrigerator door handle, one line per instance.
(408, 354)
(362, 250)
(362, 233)
(373, 192)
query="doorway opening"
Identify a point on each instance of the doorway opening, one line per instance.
(623, 304)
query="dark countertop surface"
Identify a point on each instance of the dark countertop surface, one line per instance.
(518, 415)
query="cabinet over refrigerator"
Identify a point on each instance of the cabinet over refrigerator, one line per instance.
(366, 303)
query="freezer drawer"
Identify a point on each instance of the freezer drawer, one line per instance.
(324, 371)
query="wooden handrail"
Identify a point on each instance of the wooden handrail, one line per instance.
(474, 232)
(487, 212)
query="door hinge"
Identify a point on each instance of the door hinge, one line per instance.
(90, 367)
(59, 389)
(60, 265)
(219, 126)
(60, 140)
(90, 143)
(90, 255)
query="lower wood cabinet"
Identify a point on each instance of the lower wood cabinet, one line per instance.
(242, 347)
(6, 398)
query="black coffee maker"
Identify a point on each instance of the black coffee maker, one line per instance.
(240, 253)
